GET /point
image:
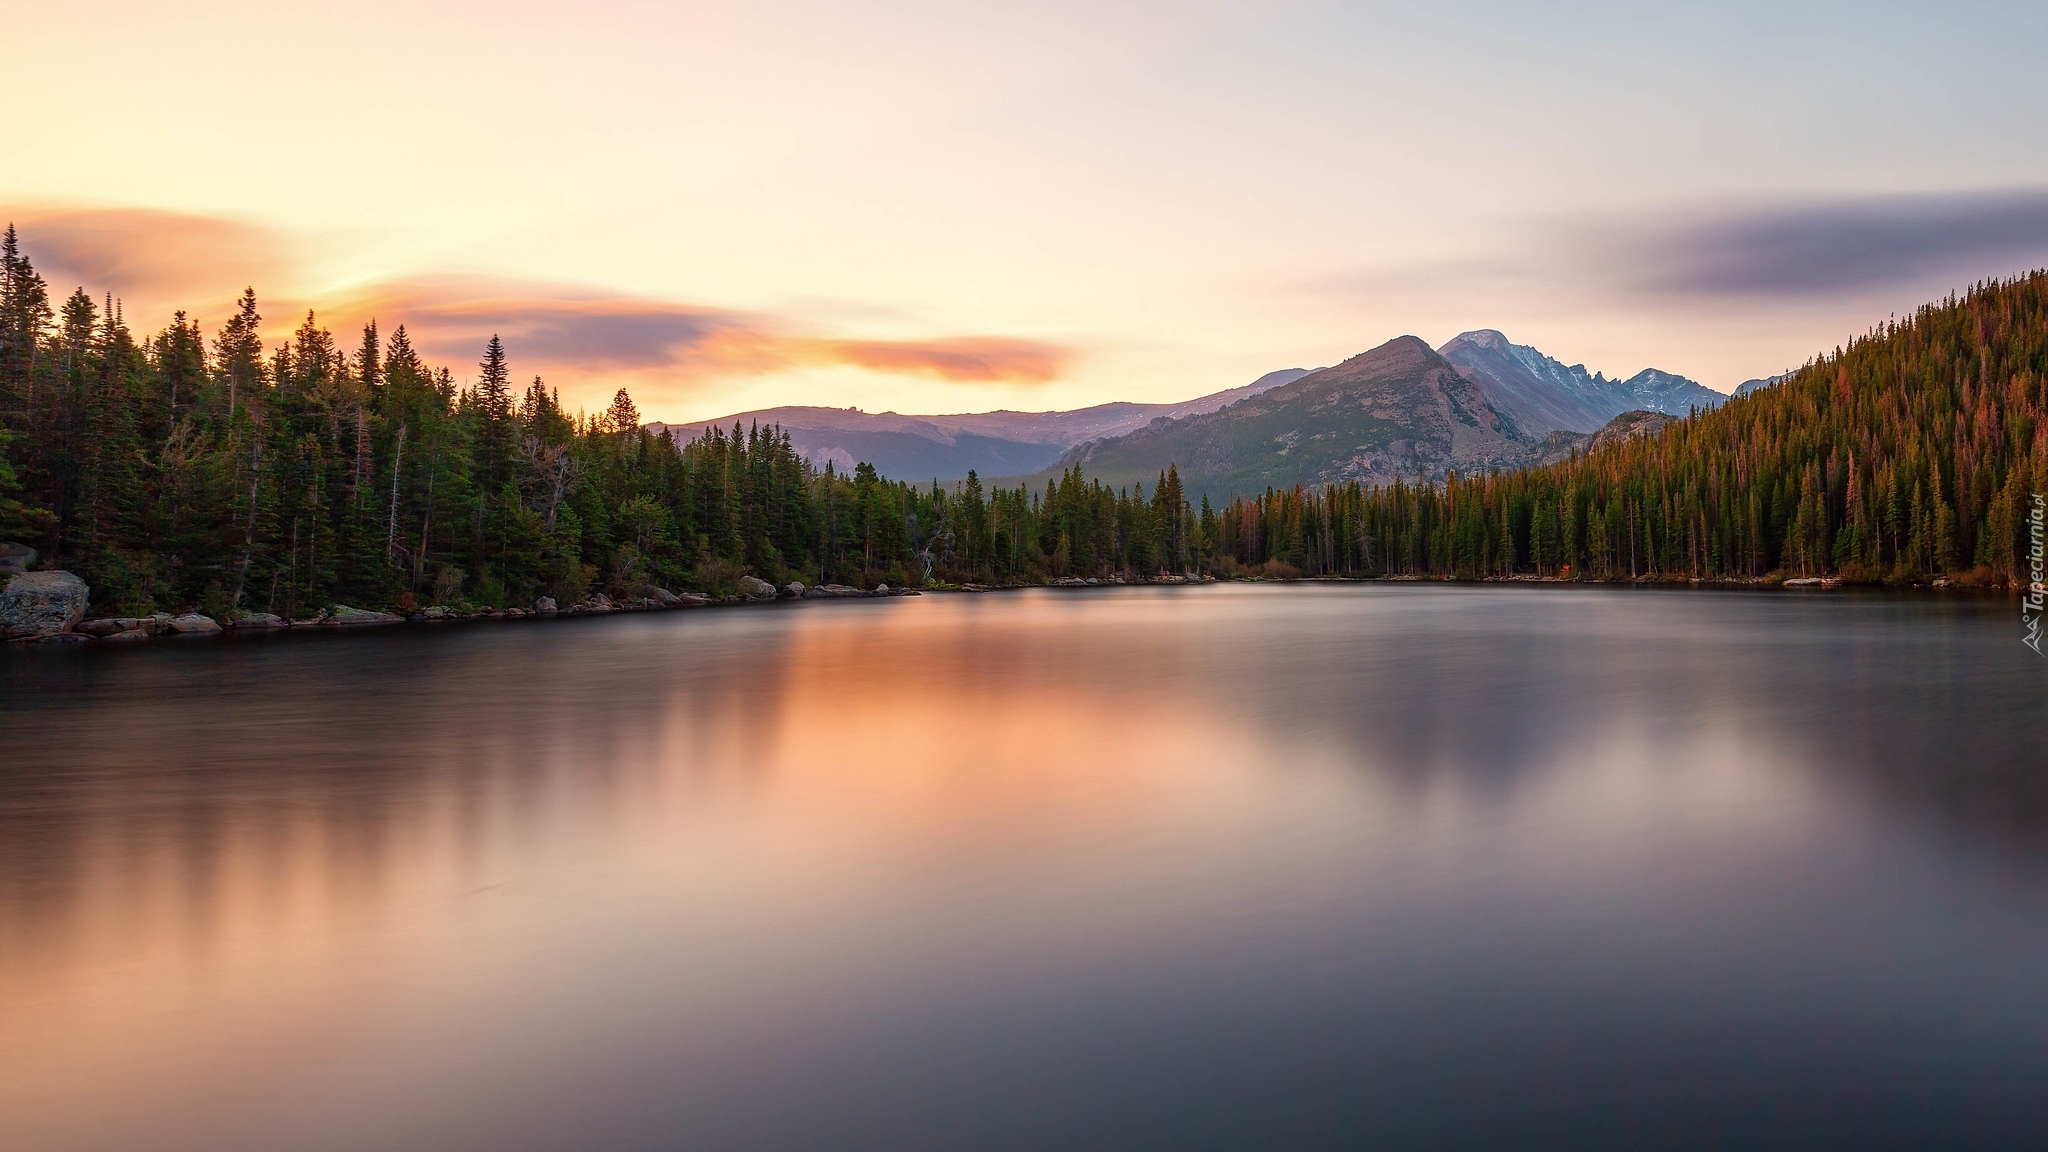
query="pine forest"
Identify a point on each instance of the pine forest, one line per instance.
(179, 469)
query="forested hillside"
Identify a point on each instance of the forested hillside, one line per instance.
(177, 470)
(1910, 455)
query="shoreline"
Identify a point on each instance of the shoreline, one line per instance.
(167, 626)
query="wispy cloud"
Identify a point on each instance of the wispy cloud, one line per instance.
(148, 255)
(1836, 247)
(961, 359)
(1806, 252)
(451, 316)
(574, 328)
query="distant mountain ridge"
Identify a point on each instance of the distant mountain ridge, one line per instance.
(1402, 410)
(999, 443)
(1542, 394)
(1399, 411)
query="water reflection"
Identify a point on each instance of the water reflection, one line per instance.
(1158, 867)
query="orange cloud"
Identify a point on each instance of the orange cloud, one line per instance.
(452, 317)
(583, 332)
(965, 358)
(153, 259)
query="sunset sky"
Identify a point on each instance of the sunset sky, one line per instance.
(937, 207)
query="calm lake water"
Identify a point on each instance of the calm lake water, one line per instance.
(1257, 866)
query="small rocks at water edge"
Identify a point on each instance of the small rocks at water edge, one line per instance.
(50, 607)
(346, 617)
(841, 591)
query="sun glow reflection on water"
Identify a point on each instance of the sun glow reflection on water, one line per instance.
(1166, 867)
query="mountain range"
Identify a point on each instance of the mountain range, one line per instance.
(1400, 411)
(1543, 395)
(1403, 410)
(1001, 443)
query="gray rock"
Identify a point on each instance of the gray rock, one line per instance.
(16, 559)
(881, 589)
(193, 624)
(346, 617)
(131, 634)
(260, 620)
(793, 588)
(545, 606)
(692, 600)
(42, 604)
(832, 591)
(435, 612)
(755, 588)
(109, 625)
(666, 598)
(157, 623)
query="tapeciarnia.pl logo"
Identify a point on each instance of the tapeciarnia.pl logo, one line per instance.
(2037, 588)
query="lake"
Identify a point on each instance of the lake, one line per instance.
(1276, 866)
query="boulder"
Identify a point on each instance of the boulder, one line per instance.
(755, 588)
(193, 624)
(260, 620)
(157, 623)
(41, 604)
(881, 589)
(793, 588)
(347, 617)
(132, 634)
(109, 625)
(16, 559)
(666, 598)
(544, 606)
(692, 600)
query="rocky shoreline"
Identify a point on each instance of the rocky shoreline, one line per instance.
(49, 607)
